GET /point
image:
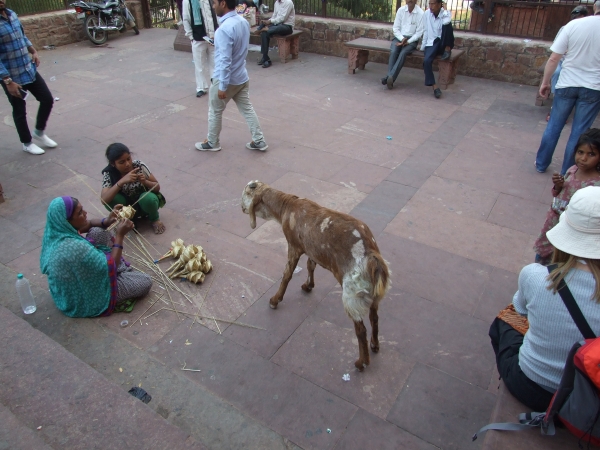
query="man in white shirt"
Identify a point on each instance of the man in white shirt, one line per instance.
(281, 23)
(408, 29)
(438, 39)
(200, 22)
(578, 88)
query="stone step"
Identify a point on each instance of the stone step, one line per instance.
(43, 385)
(16, 436)
(507, 409)
(181, 402)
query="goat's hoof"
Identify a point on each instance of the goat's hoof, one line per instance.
(273, 302)
(375, 348)
(306, 287)
(272, 306)
(359, 365)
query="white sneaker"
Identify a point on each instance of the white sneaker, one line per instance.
(45, 140)
(33, 149)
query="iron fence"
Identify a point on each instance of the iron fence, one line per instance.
(162, 11)
(527, 19)
(25, 7)
(371, 10)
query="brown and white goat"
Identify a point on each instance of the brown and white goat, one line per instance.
(338, 242)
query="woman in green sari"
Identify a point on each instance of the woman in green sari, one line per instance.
(87, 276)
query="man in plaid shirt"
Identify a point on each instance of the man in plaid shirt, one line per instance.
(18, 71)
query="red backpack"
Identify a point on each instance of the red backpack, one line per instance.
(576, 402)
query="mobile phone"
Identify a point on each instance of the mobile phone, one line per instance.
(24, 94)
(209, 40)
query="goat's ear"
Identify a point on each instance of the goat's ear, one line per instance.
(255, 201)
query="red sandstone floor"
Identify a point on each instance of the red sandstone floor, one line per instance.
(452, 198)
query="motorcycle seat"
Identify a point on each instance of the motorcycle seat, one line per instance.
(108, 4)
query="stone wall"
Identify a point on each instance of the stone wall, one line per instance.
(62, 27)
(495, 57)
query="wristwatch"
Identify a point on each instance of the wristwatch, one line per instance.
(7, 80)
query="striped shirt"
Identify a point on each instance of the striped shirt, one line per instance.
(552, 331)
(15, 60)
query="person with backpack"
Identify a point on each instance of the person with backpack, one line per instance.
(532, 365)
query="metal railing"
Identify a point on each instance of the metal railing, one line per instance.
(25, 7)
(527, 19)
(162, 11)
(371, 10)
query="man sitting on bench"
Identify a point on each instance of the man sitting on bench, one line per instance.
(438, 39)
(408, 29)
(281, 23)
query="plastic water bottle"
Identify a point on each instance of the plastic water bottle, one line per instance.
(25, 296)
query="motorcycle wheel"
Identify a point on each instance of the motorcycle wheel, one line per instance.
(136, 30)
(95, 35)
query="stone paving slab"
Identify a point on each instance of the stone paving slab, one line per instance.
(452, 198)
(49, 389)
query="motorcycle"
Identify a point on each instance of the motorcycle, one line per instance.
(100, 18)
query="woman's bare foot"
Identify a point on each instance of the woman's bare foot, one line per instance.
(158, 227)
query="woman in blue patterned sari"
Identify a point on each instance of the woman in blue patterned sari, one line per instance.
(87, 276)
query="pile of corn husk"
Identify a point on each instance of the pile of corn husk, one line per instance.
(192, 263)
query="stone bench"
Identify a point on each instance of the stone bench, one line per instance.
(287, 45)
(507, 409)
(358, 56)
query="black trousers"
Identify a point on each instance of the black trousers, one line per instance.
(281, 29)
(40, 91)
(506, 342)
(438, 47)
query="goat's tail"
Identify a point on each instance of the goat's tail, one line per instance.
(379, 274)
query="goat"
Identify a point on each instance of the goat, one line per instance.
(338, 242)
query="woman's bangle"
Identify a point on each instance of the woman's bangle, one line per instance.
(118, 246)
(102, 222)
(117, 183)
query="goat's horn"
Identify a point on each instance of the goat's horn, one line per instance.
(252, 185)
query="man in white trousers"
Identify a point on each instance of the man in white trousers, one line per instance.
(200, 23)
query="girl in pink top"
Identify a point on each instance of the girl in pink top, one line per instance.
(585, 172)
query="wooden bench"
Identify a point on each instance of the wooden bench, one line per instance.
(358, 56)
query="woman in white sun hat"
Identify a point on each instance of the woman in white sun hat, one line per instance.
(531, 365)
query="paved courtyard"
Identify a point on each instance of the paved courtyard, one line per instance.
(452, 198)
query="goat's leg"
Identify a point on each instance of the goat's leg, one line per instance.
(363, 348)
(310, 281)
(293, 257)
(374, 318)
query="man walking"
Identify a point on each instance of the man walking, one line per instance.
(577, 88)
(18, 71)
(438, 39)
(200, 22)
(281, 23)
(408, 29)
(230, 79)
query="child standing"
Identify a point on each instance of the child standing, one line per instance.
(585, 172)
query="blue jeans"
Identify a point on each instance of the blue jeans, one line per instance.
(398, 56)
(586, 103)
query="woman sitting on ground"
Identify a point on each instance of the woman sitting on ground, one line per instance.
(87, 276)
(532, 365)
(128, 181)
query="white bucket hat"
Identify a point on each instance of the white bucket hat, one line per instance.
(578, 231)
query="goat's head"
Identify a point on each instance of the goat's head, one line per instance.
(251, 197)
